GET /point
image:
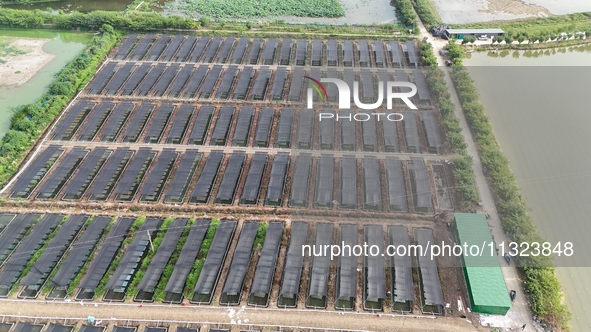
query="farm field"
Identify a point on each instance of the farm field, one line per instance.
(210, 262)
(168, 121)
(190, 172)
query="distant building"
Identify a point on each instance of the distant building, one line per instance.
(461, 33)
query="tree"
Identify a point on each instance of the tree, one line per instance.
(248, 25)
(60, 88)
(204, 21)
(520, 39)
(107, 28)
(508, 39)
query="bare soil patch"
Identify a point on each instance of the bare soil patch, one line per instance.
(19, 69)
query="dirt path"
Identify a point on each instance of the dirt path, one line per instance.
(19, 69)
(520, 311)
(290, 317)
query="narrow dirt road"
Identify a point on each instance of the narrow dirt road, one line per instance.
(520, 313)
(251, 316)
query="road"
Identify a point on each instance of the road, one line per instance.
(252, 150)
(276, 317)
(520, 313)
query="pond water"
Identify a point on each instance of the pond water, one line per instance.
(65, 46)
(538, 104)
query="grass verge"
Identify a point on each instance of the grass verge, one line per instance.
(201, 256)
(100, 289)
(159, 292)
(132, 290)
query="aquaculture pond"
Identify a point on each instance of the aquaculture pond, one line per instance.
(538, 104)
(64, 45)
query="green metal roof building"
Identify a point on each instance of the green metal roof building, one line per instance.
(484, 278)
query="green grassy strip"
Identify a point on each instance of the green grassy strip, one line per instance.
(100, 289)
(159, 292)
(545, 292)
(47, 288)
(554, 23)
(76, 281)
(198, 265)
(405, 13)
(133, 20)
(259, 240)
(427, 13)
(463, 172)
(132, 290)
(29, 121)
(540, 29)
(36, 256)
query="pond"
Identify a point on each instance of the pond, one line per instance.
(538, 104)
(64, 45)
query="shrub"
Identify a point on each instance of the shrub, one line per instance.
(404, 12)
(427, 13)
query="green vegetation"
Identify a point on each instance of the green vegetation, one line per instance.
(7, 50)
(427, 13)
(552, 28)
(100, 289)
(132, 290)
(76, 281)
(135, 20)
(405, 13)
(556, 23)
(65, 36)
(463, 173)
(470, 40)
(260, 8)
(138, 20)
(259, 240)
(201, 256)
(29, 121)
(159, 292)
(545, 293)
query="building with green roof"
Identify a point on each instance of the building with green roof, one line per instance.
(484, 278)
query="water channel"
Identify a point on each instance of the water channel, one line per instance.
(538, 104)
(64, 45)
